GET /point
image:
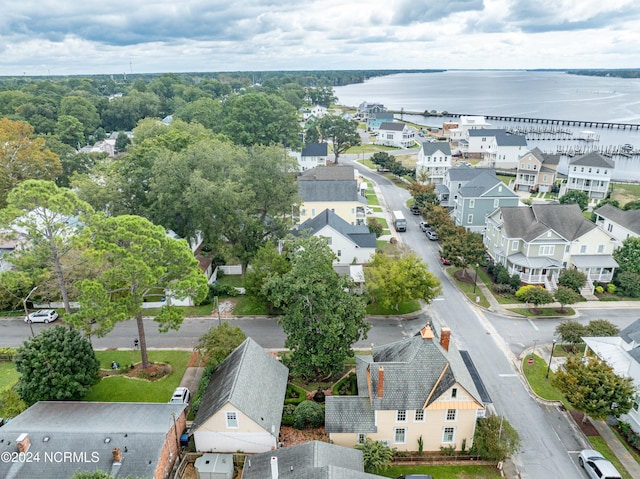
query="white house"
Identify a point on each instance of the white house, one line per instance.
(399, 135)
(621, 224)
(434, 159)
(312, 155)
(316, 111)
(496, 146)
(465, 124)
(622, 353)
(590, 173)
(352, 244)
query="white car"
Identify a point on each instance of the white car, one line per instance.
(596, 466)
(181, 396)
(42, 316)
(424, 226)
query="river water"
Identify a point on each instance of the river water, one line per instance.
(531, 94)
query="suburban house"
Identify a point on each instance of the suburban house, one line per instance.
(313, 459)
(355, 273)
(537, 171)
(479, 197)
(241, 409)
(374, 120)
(399, 135)
(621, 224)
(366, 109)
(335, 188)
(312, 155)
(498, 147)
(538, 241)
(622, 353)
(352, 244)
(417, 387)
(434, 159)
(121, 439)
(456, 178)
(315, 111)
(590, 173)
(458, 131)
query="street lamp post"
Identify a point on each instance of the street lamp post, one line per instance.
(26, 311)
(475, 279)
(553, 346)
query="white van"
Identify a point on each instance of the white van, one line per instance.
(181, 396)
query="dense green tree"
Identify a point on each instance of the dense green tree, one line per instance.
(535, 295)
(342, 133)
(565, 296)
(69, 130)
(217, 343)
(78, 163)
(321, 317)
(122, 142)
(56, 365)
(575, 196)
(593, 388)
(632, 205)
(206, 111)
(628, 255)
(461, 247)
(139, 262)
(308, 414)
(423, 194)
(571, 331)
(83, 110)
(375, 226)
(266, 262)
(598, 328)
(123, 113)
(23, 157)
(628, 283)
(51, 217)
(312, 134)
(495, 439)
(395, 280)
(14, 287)
(376, 455)
(321, 95)
(572, 278)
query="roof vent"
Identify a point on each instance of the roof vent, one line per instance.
(45, 439)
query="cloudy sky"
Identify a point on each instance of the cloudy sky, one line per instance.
(59, 37)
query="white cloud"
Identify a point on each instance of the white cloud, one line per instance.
(64, 37)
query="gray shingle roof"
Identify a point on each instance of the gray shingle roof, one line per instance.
(480, 132)
(631, 333)
(325, 173)
(359, 234)
(429, 148)
(592, 159)
(329, 183)
(529, 222)
(392, 126)
(466, 173)
(629, 219)
(415, 370)
(138, 429)
(503, 138)
(312, 460)
(250, 379)
(479, 185)
(315, 149)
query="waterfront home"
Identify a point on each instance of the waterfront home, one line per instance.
(365, 109)
(499, 148)
(538, 241)
(537, 171)
(312, 155)
(479, 197)
(465, 123)
(375, 119)
(399, 135)
(454, 179)
(434, 159)
(590, 173)
(335, 188)
(415, 389)
(621, 224)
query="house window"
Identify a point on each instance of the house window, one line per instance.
(610, 227)
(583, 249)
(313, 211)
(600, 248)
(454, 393)
(636, 402)
(399, 435)
(547, 250)
(418, 416)
(544, 178)
(232, 420)
(448, 434)
(451, 414)
(339, 253)
(303, 212)
(470, 219)
(515, 245)
(362, 438)
(496, 203)
(401, 415)
(472, 203)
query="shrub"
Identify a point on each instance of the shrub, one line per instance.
(308, 414)
(599, 289)
(629, 283)
(611, 288)
(572, 278)
(522, 292)
(287, 414)
(347, 386)
(503, 289)
(629, 434)
(502, 275)
(294, 395)
(514, 281)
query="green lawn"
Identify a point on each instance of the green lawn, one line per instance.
(543, 312)
(8, 375)
(247, 306)
(467, 288)
(535, 374)
(123, 389)
(445, 472)
(372, 199)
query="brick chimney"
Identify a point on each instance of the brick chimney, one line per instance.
(380, 381)
(445, 337)
(24, 443)
(117, 456)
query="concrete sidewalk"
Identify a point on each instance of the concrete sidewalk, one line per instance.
(627, 460)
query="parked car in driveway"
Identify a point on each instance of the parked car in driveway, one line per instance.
(181, 396)
(432, 235)
(424, 226)
(596, 466)
(42, 316)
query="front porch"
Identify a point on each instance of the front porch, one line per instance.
(536, 270)
(596, 267)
